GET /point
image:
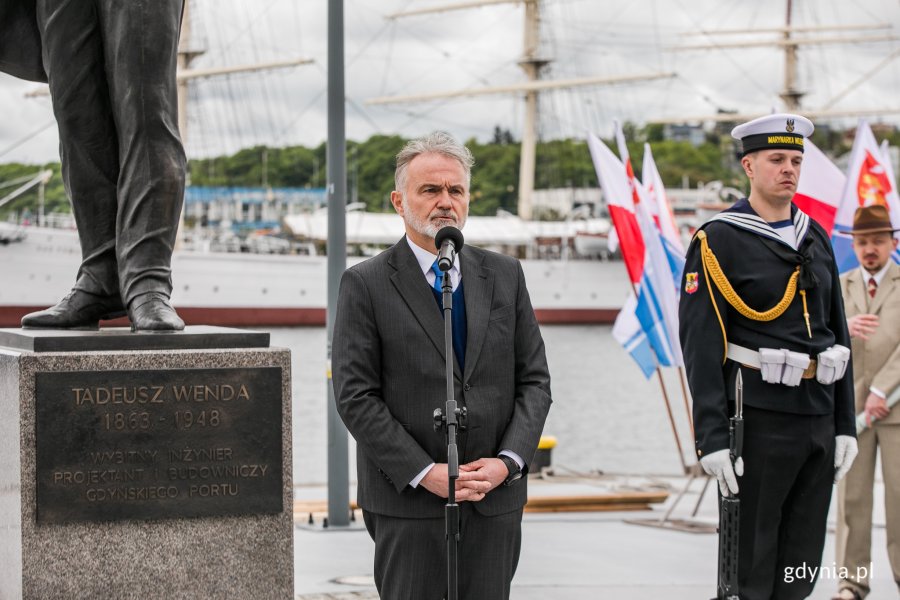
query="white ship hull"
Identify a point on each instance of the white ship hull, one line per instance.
(277, 290)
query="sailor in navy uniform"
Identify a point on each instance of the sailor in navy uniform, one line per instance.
(761, 294)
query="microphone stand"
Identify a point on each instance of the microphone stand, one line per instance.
(450, 420)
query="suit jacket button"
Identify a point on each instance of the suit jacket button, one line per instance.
(467, 387)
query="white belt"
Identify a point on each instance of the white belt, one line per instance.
(828, 367)
(745, 356)
(789, 368)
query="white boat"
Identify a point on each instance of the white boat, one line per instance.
(242, 289)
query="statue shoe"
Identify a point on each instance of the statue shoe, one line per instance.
(153, 312)
(78, 310)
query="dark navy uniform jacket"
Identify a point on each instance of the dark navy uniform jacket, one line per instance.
(758, 263)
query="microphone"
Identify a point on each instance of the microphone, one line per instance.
(448, 241)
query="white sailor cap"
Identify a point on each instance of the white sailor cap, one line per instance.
(780, 130)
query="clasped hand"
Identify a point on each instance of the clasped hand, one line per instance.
(476, 479)
(876, 408)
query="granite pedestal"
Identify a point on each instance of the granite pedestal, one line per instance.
(145, 465)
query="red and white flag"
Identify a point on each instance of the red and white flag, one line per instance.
(820, 187)
(637, 192)
(893, 196)
(658, 204)
(620, 201)
(869, 181)
(656, 308)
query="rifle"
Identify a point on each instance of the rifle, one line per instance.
(730, 506)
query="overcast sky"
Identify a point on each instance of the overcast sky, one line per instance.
(479, 47)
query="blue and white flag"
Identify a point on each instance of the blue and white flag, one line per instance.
(663, 216)
(628, 332)
(656, 304)
(657, 301)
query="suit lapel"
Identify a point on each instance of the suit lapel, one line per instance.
(413, 287)
(857, 291)
(479, 289)
(888, 286)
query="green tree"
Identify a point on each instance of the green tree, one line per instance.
(55, 199)
(700, 164)
(375, 161)
(495, 177)
(564, 163)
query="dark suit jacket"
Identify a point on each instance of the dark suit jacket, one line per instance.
(20, 40)
(388, 374)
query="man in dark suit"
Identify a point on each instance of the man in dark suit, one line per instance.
(389, 376)
(111, 70)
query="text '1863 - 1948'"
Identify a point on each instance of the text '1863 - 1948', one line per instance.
(156, 444)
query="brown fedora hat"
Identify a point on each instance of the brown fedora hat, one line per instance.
(872, 219)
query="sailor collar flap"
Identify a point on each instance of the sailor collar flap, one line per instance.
(741, 216)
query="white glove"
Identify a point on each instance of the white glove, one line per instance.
(845, 450)
(719, 465)
(795, 363)
(771, 364)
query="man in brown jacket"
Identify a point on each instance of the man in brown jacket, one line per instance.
(872, 301)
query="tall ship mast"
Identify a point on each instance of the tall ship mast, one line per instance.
(259, 289)
(790, 43)
(532, 63)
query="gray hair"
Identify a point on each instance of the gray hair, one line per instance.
(437, 142)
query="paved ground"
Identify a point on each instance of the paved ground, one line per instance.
(571, 556)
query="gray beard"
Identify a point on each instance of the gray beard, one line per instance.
(428, 227)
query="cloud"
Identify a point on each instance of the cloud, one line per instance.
(480, 47)
(23, 118)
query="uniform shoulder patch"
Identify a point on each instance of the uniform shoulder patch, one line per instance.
(691, 282)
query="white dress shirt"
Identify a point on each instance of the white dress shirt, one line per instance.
(426, 258)
(879, 276)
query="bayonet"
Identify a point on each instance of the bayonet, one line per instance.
(736, 424)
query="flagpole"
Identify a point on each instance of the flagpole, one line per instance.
(626, 158)
(667, 230)
(662, 385)
(687, 406)
(672, 420)
(631, 236)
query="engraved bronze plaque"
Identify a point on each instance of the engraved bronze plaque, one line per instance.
(156, 444)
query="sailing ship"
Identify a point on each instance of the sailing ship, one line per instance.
(245, 289)
(254, 289)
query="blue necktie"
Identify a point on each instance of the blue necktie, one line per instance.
(438, 276)
(459, 314)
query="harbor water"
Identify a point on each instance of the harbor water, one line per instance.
(606, 416)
